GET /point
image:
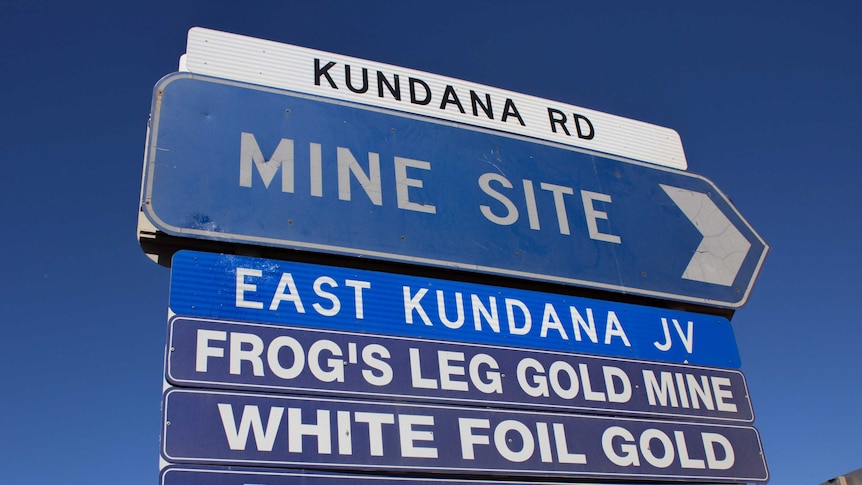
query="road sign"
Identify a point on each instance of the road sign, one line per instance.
(219, 354)
(323, 297)
(245, 164)
(195, 475)
(296, 432)
(266, 63)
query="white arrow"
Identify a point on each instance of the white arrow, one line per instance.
(723, 249)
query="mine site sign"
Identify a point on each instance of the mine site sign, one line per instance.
(303, 70)
(254, 429)
(245, 164)
(265, 291)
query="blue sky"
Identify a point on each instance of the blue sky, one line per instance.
(766, 97)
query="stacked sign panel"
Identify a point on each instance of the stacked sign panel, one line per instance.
(361, 370)
(282, 370)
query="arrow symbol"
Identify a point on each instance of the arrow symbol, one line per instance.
(722, 251)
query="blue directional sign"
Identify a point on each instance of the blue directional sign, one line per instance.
(260, 290)
(247, 164)
(298, 431)
(219, 354)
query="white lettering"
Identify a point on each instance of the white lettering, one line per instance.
(412, 303)
(514, 329)
(614, 395)
(264, 438)
(242, 287)
(447, 370)
(204, 350)
(403, 184)
(502, 444)
(492, 382)
(511, 214)
(410, 436)
(358, 286)
(370, 356)
(369, 182)
(249, 151)
(615, 329)
(468, 439)
(375, 422)
(578, 323)
(712, 460)
(296, 429)
(417, 380)
(663, 456)
(560, 204)
(721, 394)
(592, 214)
(286, 282)
(274, 361)
(335, 370)
(550, 320)
(628, 452)
(318, 290)
(490, 315)
(459, 308)
(239, 354)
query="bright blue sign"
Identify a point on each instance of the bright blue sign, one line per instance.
(259, 290)
(219, 354)
(299, 431)
(247, 164)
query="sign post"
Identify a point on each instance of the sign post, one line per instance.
(280, 371)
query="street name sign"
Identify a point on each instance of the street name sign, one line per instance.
(238, 163)
(218, 354)
(253, 429)
(257, 61)
(245, 289)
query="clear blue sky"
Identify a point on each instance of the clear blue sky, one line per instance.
(765, 95)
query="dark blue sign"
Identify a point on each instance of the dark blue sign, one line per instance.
(219, 354)
(323, 297)
(196, 475)
(241, 163)
(299, 432)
